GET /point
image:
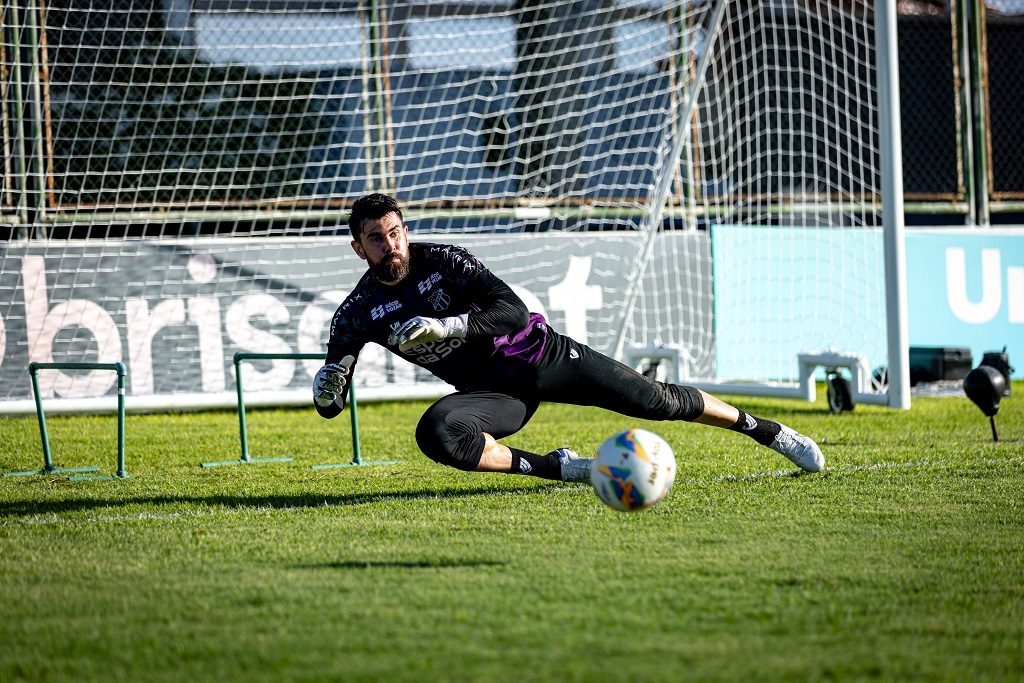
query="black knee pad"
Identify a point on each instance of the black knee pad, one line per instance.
(691, 403)
(447, 445)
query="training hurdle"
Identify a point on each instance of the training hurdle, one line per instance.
(353, 409)
(48, 467)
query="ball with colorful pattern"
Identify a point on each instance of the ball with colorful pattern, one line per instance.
(633, 470)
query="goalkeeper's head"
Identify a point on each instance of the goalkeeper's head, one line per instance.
(372, 207)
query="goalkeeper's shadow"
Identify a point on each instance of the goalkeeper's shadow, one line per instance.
(30, 508)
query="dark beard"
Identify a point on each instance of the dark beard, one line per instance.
(390, 270)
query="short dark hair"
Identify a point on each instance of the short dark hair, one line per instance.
(372, 207)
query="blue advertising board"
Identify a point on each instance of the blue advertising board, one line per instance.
(965, 288)
(781, 291)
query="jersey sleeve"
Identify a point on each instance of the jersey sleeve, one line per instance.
(501, 310)
(348, 333)
(348, 336)
(497, 309)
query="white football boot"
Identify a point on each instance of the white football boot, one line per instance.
(800, 449)
(574, 468)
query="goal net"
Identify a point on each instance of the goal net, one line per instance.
(692, 187)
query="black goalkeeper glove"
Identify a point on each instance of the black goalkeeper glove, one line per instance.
(330, 382)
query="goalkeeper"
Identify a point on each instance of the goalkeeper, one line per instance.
(440, 308)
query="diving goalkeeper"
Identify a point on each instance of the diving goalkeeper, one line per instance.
(437, 306)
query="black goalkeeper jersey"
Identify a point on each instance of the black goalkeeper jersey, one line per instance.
(503, 337)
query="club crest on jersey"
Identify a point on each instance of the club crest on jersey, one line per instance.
(439, 300)
(378, 312)
(426, 285)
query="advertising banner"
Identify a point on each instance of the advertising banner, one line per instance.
(176, 312)
(966, 289)
(781, 291)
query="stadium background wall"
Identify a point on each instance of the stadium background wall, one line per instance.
(180, 337)
(181, 340)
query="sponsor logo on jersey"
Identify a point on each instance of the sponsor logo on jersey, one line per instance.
(431, 352)
(573, 354)
(426, 285)
(439, 300)
(378, 312)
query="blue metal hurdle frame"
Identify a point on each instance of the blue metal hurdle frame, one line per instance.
(243, 432)
(48, 467)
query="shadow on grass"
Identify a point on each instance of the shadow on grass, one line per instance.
(422, 564)
(27, 508)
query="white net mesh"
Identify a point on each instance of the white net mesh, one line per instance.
(616, 145)
(791, 184)
(208, 106)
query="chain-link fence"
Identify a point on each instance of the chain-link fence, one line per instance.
(1005, 72)
(929, 106)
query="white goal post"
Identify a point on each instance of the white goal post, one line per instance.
(707, 189)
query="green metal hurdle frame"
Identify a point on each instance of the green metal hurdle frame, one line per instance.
(243, 432)
(48, 467)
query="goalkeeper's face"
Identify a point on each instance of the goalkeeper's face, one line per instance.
(384, 245)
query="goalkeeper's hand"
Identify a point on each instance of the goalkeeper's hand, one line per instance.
(330, 382)
(421, 330)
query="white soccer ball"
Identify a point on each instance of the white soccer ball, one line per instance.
(633, 470)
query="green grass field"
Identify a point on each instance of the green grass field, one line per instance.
(904, 560)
